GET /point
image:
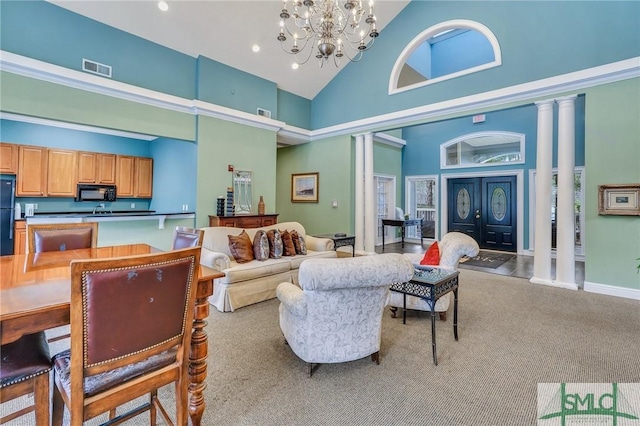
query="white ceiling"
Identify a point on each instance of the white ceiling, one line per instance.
(223, 31)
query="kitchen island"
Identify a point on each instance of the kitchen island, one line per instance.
(115, 228)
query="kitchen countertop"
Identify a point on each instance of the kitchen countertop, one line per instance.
(79, 217)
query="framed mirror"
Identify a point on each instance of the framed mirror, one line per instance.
(242, 191)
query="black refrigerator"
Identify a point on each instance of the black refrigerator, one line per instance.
(7, 203)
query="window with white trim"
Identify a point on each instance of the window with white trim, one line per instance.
(421, 194)
(483, 149)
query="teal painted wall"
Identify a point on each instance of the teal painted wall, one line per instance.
(294, 110)
(43, 31)
(140, 232)
(223, 85)
(612, 243)
(538, 39)
(174, 175)
(221, 143)
(332, 158)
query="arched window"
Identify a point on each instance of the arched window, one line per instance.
(446, 50)
(483, 149)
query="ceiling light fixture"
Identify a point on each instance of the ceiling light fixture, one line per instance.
(324, 23)
(255, 48)
(163, 6)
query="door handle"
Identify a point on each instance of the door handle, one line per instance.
(477, 214)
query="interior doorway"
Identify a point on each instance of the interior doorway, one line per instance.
(485, 208)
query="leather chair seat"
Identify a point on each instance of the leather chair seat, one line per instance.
(61, 240)
(101, 382)
(25, 358)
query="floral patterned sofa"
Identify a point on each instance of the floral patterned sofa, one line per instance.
(255, 281)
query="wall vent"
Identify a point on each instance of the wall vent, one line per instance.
(264, 112)
(96, 68)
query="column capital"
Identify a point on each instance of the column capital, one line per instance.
(567, 99)
(545, 105)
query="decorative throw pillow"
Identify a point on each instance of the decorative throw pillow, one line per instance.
(241, 247)
(287, 243)
(298, 243)
(275, 243)
(432, 256)
(261, 246)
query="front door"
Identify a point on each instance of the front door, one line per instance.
(485, 209)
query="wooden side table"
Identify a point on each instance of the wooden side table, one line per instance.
(244, 221)
(341, 240)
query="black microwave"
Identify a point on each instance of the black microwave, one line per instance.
(91, 192)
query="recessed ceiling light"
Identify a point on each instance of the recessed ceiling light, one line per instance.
(163, 6)
(255, 48)
(294, 66)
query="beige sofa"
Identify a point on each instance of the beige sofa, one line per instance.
(254, 281)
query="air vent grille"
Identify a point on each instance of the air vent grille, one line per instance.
(96, 68)
(264, 112)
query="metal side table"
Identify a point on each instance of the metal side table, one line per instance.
(430, 284)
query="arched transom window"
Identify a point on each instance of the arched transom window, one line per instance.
(483, 149)
(444, 51)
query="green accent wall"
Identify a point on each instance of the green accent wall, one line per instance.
(612, 155)
(333, 159)
(139, 232)
(387, 160)
(221, 143)
(37, 98)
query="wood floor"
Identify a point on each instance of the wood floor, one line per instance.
(519, 266)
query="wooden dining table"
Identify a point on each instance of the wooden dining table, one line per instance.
(35, 294)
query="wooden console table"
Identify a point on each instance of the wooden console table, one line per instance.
(244, 221)
(402, 224)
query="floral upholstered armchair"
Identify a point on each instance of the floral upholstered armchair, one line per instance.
(452, 247)
(336, 313)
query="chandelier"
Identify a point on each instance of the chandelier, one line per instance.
(325, 25)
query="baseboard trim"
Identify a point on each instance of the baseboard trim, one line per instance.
(611, 290)
(552, 283)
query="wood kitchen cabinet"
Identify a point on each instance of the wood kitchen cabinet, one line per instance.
(143, 184)
(125, 176)
(134, 177)
(94, 167)
(244, 221)
(20, 237)
(8, 158)
(32, 171)
(61, 172)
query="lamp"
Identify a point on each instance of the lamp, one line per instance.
(324, 23)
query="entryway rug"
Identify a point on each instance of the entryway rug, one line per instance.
(488, 259)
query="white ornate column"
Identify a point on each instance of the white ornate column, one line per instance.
(369, 197)
(359, 195)
(544, 159)
(565, 216)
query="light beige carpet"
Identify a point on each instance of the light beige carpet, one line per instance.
(513, 335)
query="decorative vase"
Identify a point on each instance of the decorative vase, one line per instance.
(261, 206)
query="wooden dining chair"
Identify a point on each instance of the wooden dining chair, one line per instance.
(61, 236)
(131, 322)
(24, 370)
(186, 237)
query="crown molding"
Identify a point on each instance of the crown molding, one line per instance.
(389, 140)
(530, 91)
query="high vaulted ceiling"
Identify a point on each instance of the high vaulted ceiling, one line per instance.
(224, 31)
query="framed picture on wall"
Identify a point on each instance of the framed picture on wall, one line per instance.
(304, 187)
(620, 199)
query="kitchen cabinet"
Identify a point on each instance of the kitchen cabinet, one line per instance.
(20, 237)
(244, 221)
(61, 172)
(94, 167)
(125, 176)
(143, 185)
(134, 177)
(32, 171)
(8, 158)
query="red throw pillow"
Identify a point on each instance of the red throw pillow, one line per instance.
(432, 256)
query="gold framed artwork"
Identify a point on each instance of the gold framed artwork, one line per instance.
(304, 187)
(619, 199)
